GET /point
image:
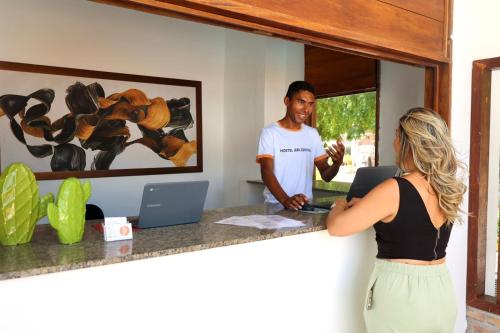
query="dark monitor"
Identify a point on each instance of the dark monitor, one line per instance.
(367, 178)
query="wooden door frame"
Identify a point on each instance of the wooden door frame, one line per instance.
(478, 187)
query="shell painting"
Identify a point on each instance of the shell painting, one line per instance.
(99, 122)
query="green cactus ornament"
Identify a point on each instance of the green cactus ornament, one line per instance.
(20, 204)
(67, 216)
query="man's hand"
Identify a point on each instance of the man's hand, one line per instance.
(295, 202)
(336, 152)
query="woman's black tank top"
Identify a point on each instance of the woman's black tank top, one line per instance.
(411, 234)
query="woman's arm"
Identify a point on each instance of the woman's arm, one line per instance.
(381, 203)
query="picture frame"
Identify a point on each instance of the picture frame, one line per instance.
(68, 122)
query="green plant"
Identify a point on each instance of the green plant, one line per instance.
(349, 116)
(20, 204)
(67, 216)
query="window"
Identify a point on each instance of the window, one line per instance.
(352, 119)
(346, 106)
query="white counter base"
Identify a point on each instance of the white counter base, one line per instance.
(305, 283)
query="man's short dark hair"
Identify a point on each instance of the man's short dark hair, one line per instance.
(297, 86)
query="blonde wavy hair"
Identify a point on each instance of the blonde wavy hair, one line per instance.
(424, 135)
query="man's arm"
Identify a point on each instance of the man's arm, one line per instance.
(336, 152)
(266, 170)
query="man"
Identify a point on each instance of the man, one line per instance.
(289, 149)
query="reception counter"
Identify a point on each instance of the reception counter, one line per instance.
(44, 254)
(202, 277)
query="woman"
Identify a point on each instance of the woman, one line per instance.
(410, 289)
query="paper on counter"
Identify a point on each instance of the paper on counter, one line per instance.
(262, 221)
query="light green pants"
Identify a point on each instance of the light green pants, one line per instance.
(404, 298)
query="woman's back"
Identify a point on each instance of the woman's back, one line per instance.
(430, 199)
(411, 233)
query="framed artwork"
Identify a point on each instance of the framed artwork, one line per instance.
(64, 122)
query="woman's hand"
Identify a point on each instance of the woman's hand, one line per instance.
(352, 202)
(347, 218)
(339, 205)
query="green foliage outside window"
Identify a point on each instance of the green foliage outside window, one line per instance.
(351, 115)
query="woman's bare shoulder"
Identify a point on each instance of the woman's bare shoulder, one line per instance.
(388, 186)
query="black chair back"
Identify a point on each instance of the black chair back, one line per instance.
(93, 212)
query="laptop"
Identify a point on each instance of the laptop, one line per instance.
(365, 179)
(165, 204)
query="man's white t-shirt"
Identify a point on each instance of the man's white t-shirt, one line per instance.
(294, 153)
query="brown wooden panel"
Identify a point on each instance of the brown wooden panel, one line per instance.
(478, 186)
(485, 303)
(336, 73)
(438, 63)
(434, 9)
(477, 225)
(371, 22)
(371, 27)
(429, 96)
(443, 87)
(437, 94)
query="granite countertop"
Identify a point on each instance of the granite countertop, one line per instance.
(44, 254)
(333, 187)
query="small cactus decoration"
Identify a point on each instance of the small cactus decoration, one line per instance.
(20, 204)
(67, 216)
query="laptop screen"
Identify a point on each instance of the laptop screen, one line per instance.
(165, 204)
(367, 178)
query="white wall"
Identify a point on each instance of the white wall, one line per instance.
(284, 64)
(81, 34)
(258, 71)
(243, 110)
(476, 35)
(401, 88)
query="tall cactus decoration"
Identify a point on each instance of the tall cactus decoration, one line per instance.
(67, 216)
(20, 204)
